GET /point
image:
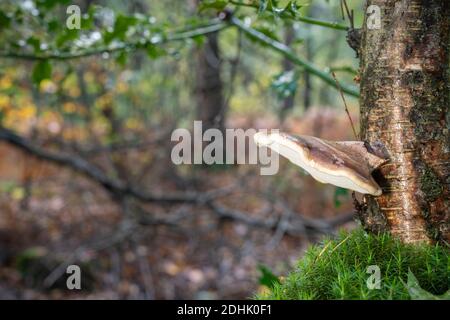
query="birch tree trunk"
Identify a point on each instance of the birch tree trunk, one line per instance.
(404, 108)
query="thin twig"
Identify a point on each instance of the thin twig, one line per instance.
(124, 230)
(345, 105)
(349, 14)
(342, 9)
(339, 244)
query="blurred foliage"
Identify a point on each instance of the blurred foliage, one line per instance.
(35, 30)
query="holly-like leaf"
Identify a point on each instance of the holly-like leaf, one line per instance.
(417, 293)
(292, 8)
(272, 6)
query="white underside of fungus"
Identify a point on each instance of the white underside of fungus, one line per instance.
(345, 164)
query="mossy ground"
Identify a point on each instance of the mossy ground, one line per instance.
(337, 269)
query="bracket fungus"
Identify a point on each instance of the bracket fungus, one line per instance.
(346, 164)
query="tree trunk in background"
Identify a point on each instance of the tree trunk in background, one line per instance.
(404, 106)
(288, 65)
(306, 75)
(326, 96)
(210, 103)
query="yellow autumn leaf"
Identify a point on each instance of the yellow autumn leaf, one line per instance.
(27, 111)
(4, 101)
(121, 87)
(69, 107)
(74, 91)
(48, 86)
(5, 82)
(18, 193)
(132, 123)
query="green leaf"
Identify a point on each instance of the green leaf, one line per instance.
(66, 36)
(292, 8)
(417, 293)
(48, 4)
(42, 70)
(87, 20)
(285, 84)
(123, 22)
(199, 40)
(4, 20)
(155, 52)
(121, 26)
(35, 43)
(272, 6)
(218, 5)
(122, 58)
(267, 277)
(53, 25)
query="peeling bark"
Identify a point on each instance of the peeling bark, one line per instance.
(404, 106)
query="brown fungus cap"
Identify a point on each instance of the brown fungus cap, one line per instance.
(346, 164)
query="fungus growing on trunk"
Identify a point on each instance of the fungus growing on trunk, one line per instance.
(346, 164)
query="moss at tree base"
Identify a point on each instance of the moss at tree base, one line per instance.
(338, 269)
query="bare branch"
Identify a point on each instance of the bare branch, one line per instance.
(91, 171)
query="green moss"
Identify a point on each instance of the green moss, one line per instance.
(337, 269)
